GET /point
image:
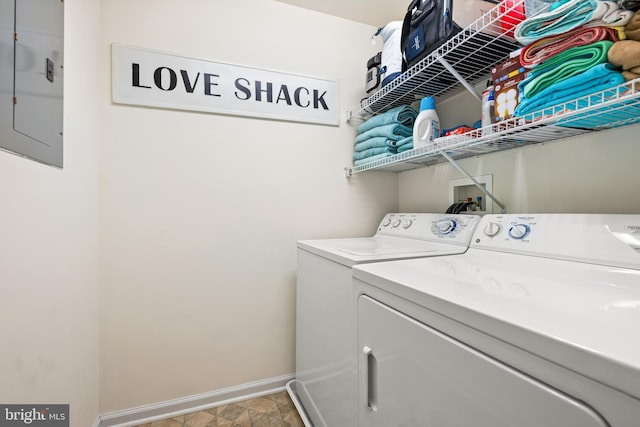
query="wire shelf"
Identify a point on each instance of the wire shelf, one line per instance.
(472, 52)
(611, 108)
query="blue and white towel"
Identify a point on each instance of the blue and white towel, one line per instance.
(565, 15)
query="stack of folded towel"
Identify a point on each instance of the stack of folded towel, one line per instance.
(567, 52)
(565, 15)
(626, 53)
(384, 135)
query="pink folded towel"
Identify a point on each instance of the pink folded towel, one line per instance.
(544, 48)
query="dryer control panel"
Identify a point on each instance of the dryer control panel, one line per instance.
(517, 228)
(600, 239)
(427, 226)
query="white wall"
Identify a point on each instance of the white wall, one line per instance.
(201, 212)
(49, 248)
(596, 173)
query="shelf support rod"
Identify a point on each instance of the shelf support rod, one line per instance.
(461, 79)
(503, 208)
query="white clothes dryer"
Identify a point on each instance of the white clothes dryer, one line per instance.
(325, 383)
(537, 324)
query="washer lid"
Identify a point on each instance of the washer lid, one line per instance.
(582, 316)
(377, 248)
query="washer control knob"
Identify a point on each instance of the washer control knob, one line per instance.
(492, 229)
(395, 223)
(386, 222)
(406, 223)
(444, 227)
(519, 231)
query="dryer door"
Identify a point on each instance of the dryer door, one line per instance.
(412, 375)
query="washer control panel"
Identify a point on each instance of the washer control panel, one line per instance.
(401, 221)
(519, 231)
(426, 226)
(445, 226)
(492, 229)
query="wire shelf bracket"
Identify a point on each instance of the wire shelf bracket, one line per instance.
(489, 194)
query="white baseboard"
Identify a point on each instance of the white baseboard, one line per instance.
(173, 408)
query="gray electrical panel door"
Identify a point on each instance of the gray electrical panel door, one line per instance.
(31, 78)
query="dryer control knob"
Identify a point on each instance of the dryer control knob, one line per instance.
(492, 229)
(406, 223)
(519, 231)
(386, 222)
(444, 227)
(395, 223)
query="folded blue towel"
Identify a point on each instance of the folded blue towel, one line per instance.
(359, 155)
(406, 147)
(596, 79)
(375, 142)
(401, 145)
(404, 115)
(393, 131)
(565, 17)
(371, 159)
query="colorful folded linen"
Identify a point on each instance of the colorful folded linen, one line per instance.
(404, 115)
(568, 63)
(540, 50)
(599, 78)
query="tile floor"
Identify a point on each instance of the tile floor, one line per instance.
(273, 410)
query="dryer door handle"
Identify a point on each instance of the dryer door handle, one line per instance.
(371, 367)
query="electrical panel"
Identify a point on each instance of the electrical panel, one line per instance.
(31, 79)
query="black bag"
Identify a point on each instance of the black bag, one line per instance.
(372, 80)
(427, 25)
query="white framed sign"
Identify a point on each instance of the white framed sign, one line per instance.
(158, 79)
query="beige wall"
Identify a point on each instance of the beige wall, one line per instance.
(596, 173)
(201, 212)
(49, 248)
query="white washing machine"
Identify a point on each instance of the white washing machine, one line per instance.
(537, 324)
(325, 381)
